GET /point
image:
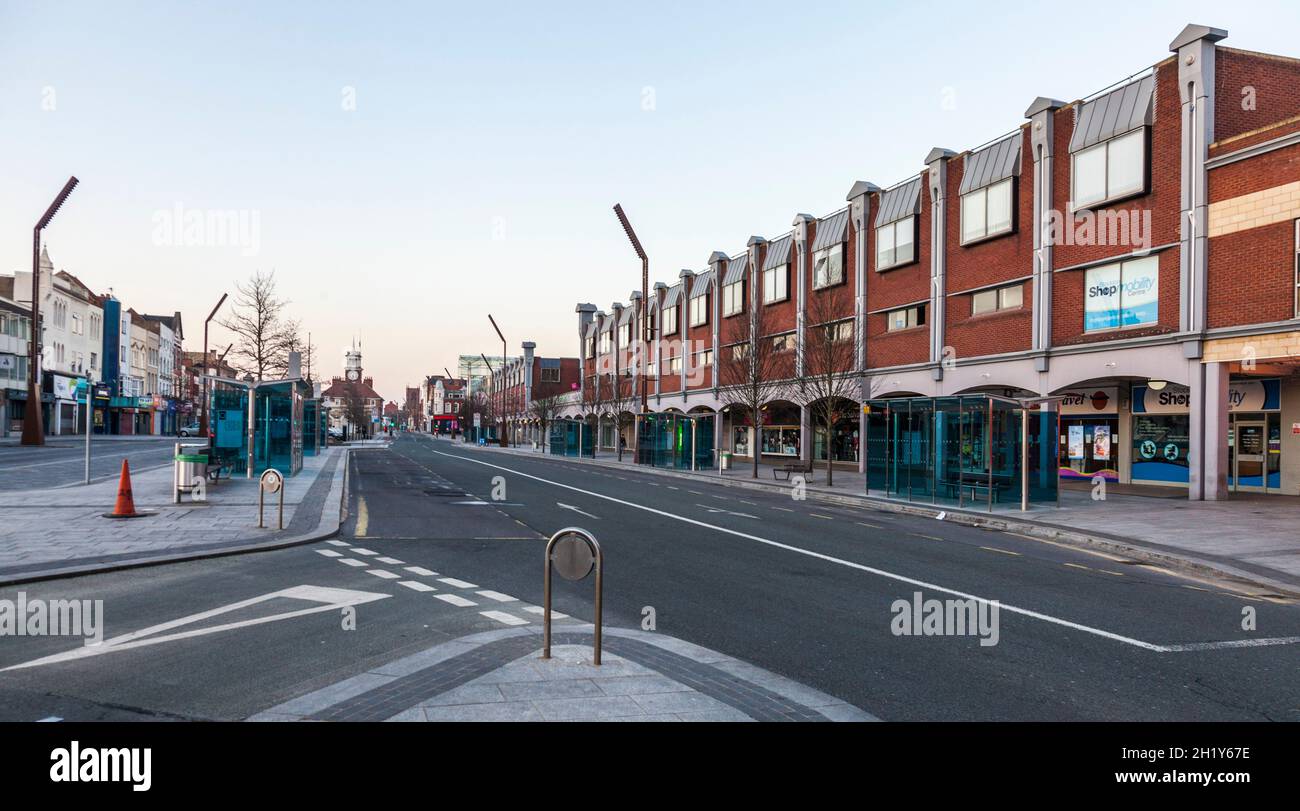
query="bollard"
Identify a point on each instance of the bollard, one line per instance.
(271, 481)
(574, 553)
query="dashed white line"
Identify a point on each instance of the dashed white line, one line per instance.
(416, 585)
(352, 562)
(456, 600)
(390, 561)
(460, 584)
(504, 618)
(496, 595)
(329, 553)
(336, 543)
(421, 571)
(359, 551)
(384, 573)
(537, 609)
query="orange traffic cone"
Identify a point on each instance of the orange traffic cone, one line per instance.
(124, 507)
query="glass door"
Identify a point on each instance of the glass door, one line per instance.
(1250, 455)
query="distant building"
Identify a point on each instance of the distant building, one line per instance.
(353, 385)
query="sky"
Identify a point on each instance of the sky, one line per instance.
(407, 169)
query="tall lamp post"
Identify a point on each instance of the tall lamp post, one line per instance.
(504, 443)
(203, 415)
(491, 371)
(33, 419)
(644, 314)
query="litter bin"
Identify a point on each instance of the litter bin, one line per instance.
(725, 460)
(191, 466)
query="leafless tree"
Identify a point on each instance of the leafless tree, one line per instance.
(752, 370)
(544, 410)
(828, 384)
(481, 404)
(623, 401)
(591, 406)
(262, 332)
(354, 408)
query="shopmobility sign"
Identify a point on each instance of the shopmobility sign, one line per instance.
(1243, 395)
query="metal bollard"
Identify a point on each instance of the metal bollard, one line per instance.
(573, 552)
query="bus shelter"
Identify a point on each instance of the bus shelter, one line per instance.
(970, 450)
(259, 425)
(673, 440)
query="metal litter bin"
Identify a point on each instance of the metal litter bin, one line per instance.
(191, 467)
(725, 460)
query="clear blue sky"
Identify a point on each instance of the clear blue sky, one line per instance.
(489, 141)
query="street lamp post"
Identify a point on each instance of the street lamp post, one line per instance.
(203, 415)
(33, 420)
(645, 319)
(504, 443)
(491, 371)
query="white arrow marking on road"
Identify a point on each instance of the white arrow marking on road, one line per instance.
(333, 599)
(576, 510)
(707, 508)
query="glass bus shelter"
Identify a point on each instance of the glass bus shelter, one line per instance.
(672, 440)
(975, 450)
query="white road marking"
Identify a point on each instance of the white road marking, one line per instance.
(503, 617)
(359, 551)
(460, 584)
(496, 595)
(390, 561)
(333, 599)
(416, 585)
(456, 600)
(1234, 643)
(537, 609)
(831, 559)
(49, 719)
(1000, 551)
(476, 503)
(420, 570)
(576, 510)
(352, 562)
(337, 543)
(384, 573)
(329, 553)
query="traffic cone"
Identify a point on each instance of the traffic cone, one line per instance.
(124, 507)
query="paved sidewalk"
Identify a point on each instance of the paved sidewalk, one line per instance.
(500, 676)
(1255, 538)
(62, 531)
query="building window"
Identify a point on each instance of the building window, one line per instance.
(776, 284)
(828, 266)
(986, 212)
(783, 343)
(733, 298)
(703, 358)
(1002, 298)
(840, 331)
(606, 342)
(626, 334)
(739, 352)
(674, 366)
(700, 310)
(1109, 170)
(670, 320)
(896, 243)
(906, 317)
(590, 347)
(1123, 294)
(550, 375)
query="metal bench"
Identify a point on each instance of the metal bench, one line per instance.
(793, 467)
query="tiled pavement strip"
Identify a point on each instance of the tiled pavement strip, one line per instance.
(500, 676)
(56, 532)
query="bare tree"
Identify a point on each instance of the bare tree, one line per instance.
(262, 333)
(545, 410)
(828, 383)
(623, 400)
(591, 406)
(481, 404)
(752, 370)
(354, 408)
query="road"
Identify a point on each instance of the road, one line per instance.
(62, 462)
(797, 587)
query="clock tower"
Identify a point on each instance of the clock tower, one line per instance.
(352, 364)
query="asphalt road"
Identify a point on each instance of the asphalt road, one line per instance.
(63, 462)
(799, 588)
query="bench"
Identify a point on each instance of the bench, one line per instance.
(793, 467)
(973, 490)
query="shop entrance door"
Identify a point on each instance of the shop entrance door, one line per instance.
(1250, 456)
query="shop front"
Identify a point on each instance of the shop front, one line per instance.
(1090, 433)
(781, 434)
(1162, 428)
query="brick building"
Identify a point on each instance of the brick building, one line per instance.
(1132, 255)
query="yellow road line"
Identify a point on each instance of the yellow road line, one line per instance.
(363, 517)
